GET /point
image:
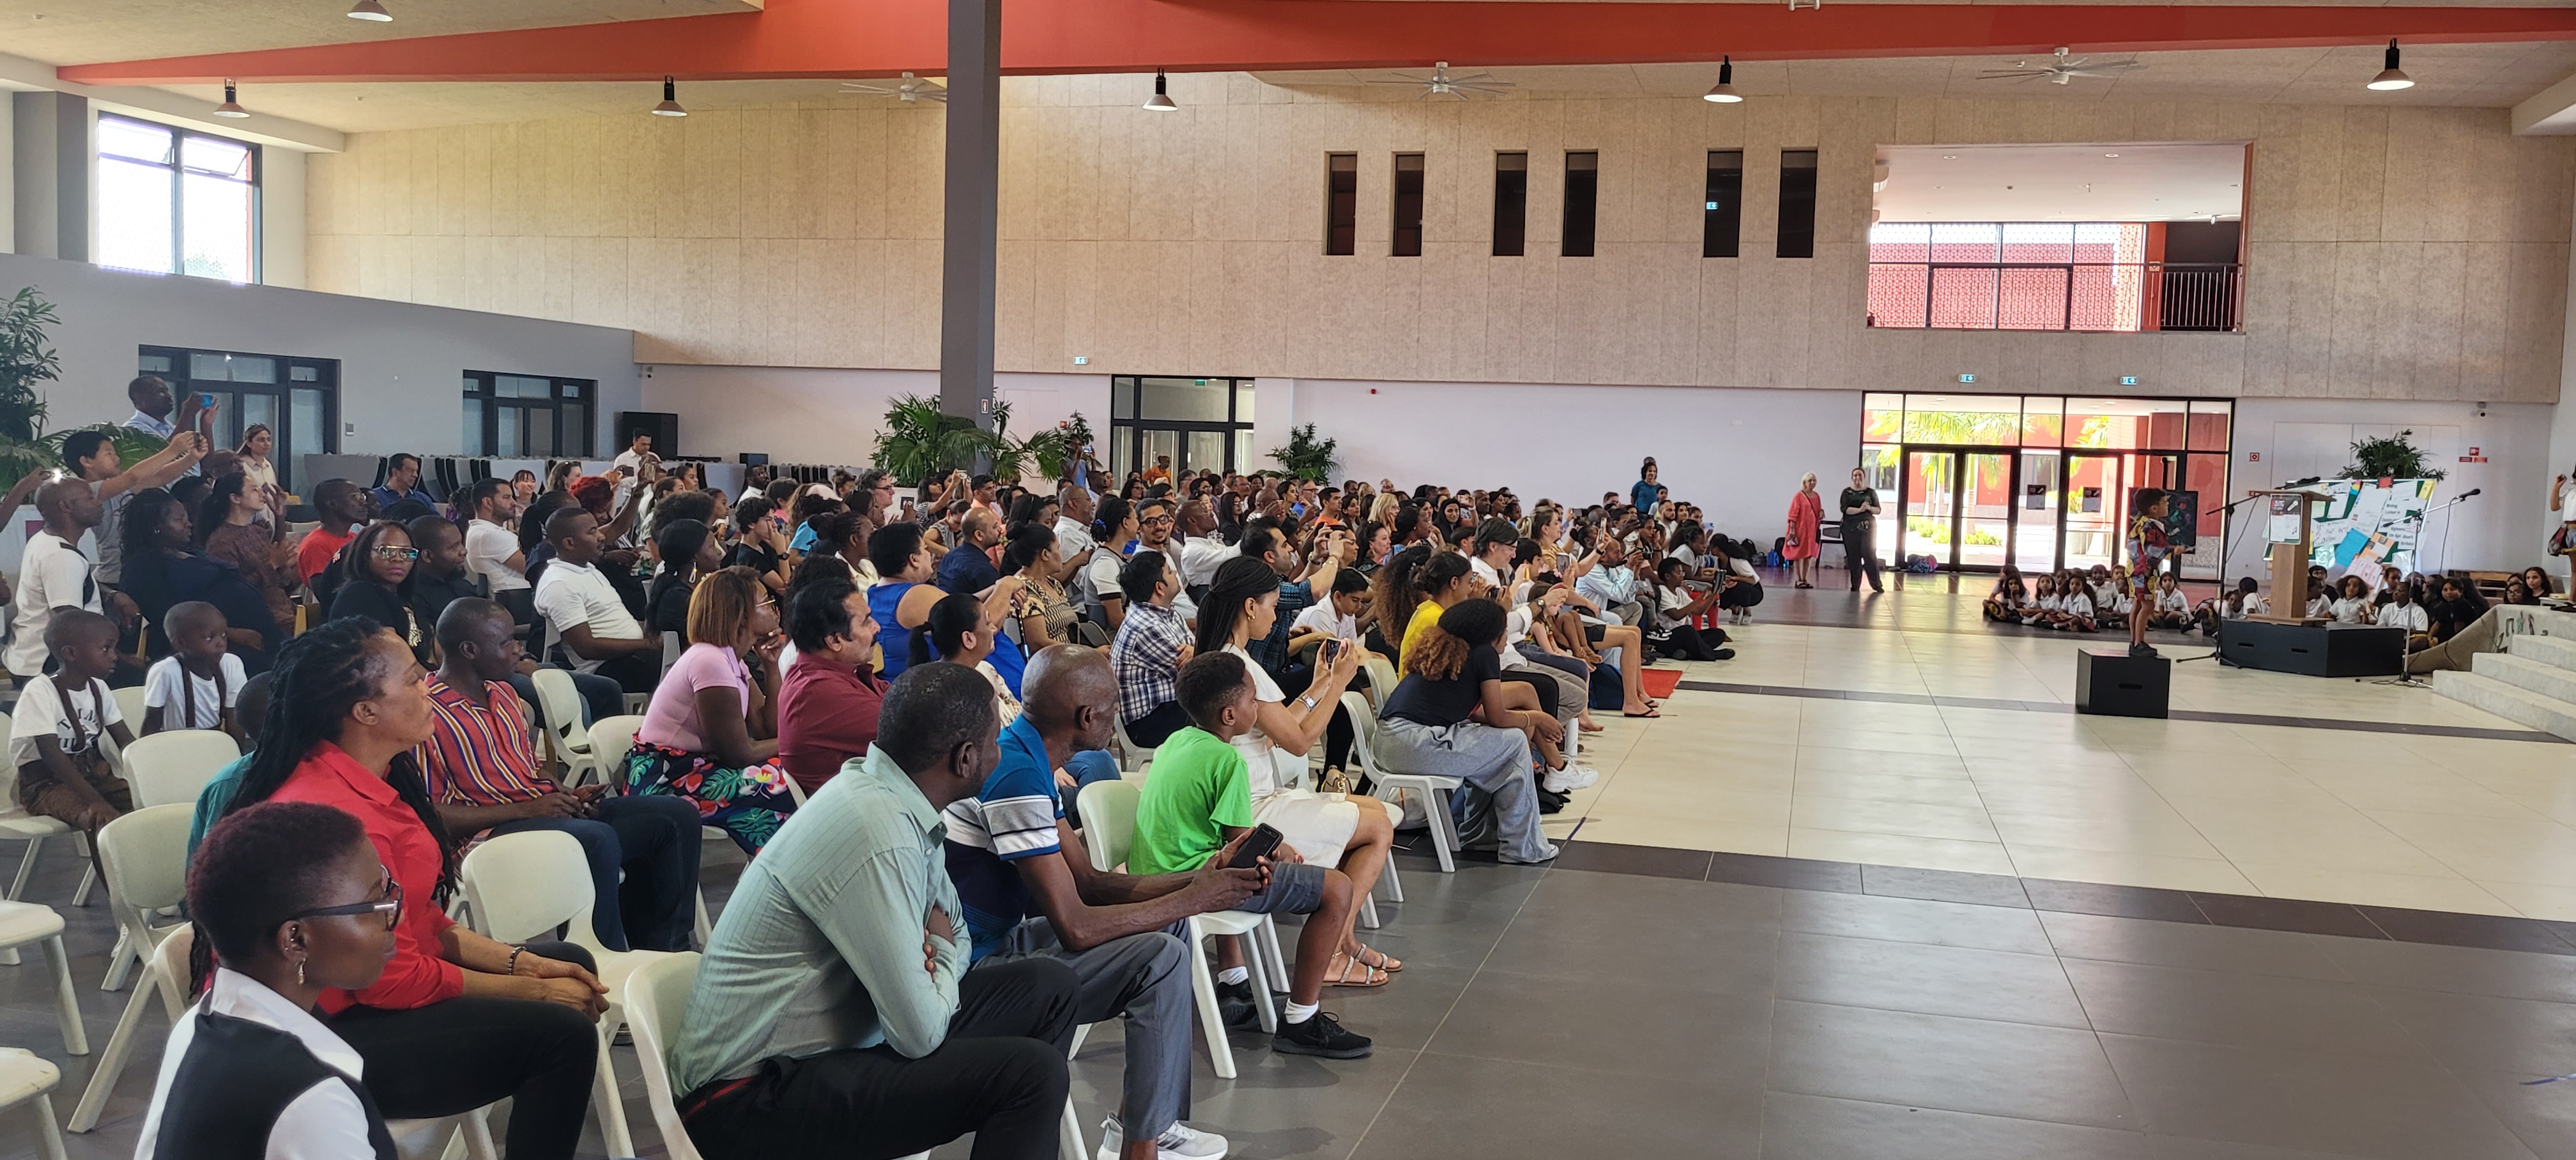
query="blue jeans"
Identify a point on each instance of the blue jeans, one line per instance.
(1092, 765)
(643, 854)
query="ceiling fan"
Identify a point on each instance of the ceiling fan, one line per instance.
(912, 89)
(2059, 70)
(1440, 83)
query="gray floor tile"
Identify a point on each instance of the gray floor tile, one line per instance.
(2512, 974)
(1800, 1127)
(2366, 1107)
(1663, 900)
(1458, 1106)
(1968, 1065)
(1938, 980)
(2204, 948)
(2544, 1117)
(2483, 1031)
(1711, 1038)
(2244, 1010)
(1994, 928)
(1581, 945)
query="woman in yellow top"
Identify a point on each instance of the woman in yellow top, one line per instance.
(1427, 582)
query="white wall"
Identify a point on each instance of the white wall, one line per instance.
(1737, 452)
(804, 415)
(400, 364)
(8, 179)
(281, 217)
(2280, 440)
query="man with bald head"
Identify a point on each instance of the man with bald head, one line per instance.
(1029, 890)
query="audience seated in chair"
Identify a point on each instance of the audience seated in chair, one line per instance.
(292, 900)
(599, 634)
(164, 567)
(196, 686)
(1198, 804)
(829, 699)
(457, 1021)
(482, 772)
(1151, 647)
(374, 571)
(710, 734)
(834, 1004)
(1451, 717)
(56, 730)
(1029, 890)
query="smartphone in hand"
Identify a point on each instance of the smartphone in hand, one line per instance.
(1265, 838)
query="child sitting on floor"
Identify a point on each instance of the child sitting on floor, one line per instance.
(2005, 603)
(2171, 610)
(196, 685)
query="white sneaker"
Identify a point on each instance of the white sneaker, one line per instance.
(1570, 778)
(1178, 1142)
(1549, 856)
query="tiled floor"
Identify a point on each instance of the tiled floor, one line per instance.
(1917, 736)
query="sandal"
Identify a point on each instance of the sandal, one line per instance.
(1651, 711)
(1385, 962)
(1374, 977)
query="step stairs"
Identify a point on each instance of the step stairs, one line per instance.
(2533, 685)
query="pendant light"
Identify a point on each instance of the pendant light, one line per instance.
(670, 106)
(370, 10)
(1724, 93)
(1160, 102)
(230, 107)
(2391, 78)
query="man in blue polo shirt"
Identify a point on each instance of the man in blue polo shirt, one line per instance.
(967, 568)
(1028, 890)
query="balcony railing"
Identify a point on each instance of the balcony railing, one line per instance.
(2090, 296)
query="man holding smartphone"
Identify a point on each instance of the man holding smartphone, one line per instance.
(1028, 890)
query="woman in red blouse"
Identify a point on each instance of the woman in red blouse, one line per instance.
(458, 1020)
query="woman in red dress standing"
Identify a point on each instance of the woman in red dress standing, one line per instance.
(1806, 521)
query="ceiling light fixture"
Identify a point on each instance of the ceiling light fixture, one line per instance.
(230, 107)
(2391, 78)
(670, 106)
(370, 10)
(1161, 101)
(2110, 155)
(1725, 93)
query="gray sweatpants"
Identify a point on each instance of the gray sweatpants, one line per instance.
(1146, 978)
(1496, 761)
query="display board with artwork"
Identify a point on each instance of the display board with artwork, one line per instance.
(2360, 524)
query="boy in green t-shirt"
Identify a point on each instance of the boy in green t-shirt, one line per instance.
(1196, 800)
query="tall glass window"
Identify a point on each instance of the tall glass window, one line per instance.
(529, 416)
(172, 201)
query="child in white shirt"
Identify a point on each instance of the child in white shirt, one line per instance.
(2171, 610)
(196, 685)
(2403, 610)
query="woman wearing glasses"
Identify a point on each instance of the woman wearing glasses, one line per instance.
(456, 1021)
(376, 568)
(292, 899)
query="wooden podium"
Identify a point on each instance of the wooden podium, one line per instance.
(2290, 561)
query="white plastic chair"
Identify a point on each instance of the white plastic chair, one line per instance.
(24, 923)
(171, 767)
(559, 703)
(1108, 811)
(521, 887)
(129, 705)
(166, 976)
(1136, 758)
(17, 824)
(657, 997)
(146, 856)
(611, 739)
(1434, 789)
(27, 1078)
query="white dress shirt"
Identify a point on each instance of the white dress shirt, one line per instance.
(325, 1123)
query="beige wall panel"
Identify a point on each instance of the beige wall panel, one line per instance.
(2486, 332)
(2196, 364)
(2428, 330)
(1713, 331)
(1015, 303)
(2539, 315)
(2360, 212)
(2543, 190)
(912, 173)
(1520, 327)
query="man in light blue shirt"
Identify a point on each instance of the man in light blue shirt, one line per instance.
(151, 398)
(833, 1013)
(1610, 585)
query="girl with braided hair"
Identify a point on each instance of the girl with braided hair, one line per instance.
(456, 1021)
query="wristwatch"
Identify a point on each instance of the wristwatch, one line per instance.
(1307, 700)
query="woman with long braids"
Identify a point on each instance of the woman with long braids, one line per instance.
(290, 899)
(457, 1020)
(1348, 831)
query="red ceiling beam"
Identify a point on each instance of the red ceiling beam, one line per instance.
(827, 38)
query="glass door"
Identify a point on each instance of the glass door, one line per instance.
(2095, 498)
(1928, 514)
(2038, 498)
(1985, 509)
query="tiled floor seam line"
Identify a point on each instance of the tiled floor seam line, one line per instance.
(2205, 717)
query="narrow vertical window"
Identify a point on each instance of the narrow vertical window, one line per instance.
(1582, 201)
(1341, 203)
(1511, 203)
(1722, 223)
(1408, 205)
(1797, 203)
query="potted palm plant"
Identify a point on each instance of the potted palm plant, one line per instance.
(28, 361)
(920, 442)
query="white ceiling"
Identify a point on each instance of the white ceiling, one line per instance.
(2037, 183)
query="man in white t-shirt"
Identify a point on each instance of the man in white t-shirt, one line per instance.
(583, 611)
(52, 572)
(491, 549)
(637, 454)
(1073, 534)
(1201, 552)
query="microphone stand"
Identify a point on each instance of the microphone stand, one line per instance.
(2229, 549)
(2444, 506)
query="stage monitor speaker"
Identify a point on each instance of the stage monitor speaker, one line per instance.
(2113, 683)
(754, 458)
(663, 426)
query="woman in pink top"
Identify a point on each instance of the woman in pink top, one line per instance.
(1806, 529)
(710, 735)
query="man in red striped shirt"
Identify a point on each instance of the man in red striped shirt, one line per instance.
(482, 772)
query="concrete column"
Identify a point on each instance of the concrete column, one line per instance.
(969, 235)
(50, 170)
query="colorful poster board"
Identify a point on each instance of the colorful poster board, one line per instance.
(2361, 524)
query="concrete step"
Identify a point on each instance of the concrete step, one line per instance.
(2511, 702)
(2540, 677)
(2556, 651)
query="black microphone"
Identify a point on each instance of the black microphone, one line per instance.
(2471, 492)
(2304, 482)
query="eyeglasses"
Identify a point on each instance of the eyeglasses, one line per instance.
(1152, 520)
(390, 906)
(385, 553)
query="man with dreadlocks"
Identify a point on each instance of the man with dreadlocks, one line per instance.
(457, 1020)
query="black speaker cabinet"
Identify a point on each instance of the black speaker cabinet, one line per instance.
(663, 426)
(2112, 683)
(2316, 650)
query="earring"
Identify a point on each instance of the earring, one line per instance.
(299, 972)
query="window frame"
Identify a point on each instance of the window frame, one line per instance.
(1722, 212)
(179, 171)
(176, 367)
(484, 387)
(1341, 206)
(1798, 242)
(1569, 242)
(1511, 188)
